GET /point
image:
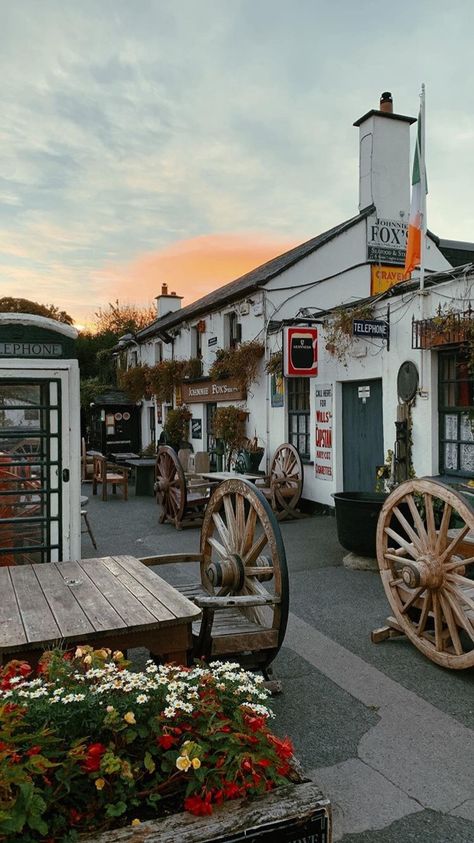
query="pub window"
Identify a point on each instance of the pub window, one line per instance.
(158, 352)
(232, 330)
(196, 343)
(299, 429)
(456, 414)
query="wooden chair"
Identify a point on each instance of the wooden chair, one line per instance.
(243, 585)
(284, 485)
(183, 498)
(106, 473)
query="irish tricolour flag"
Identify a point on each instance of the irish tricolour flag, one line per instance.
(417, 221)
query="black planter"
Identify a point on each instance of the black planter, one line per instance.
(356, 519)
(249, 461)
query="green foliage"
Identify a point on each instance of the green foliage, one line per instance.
(90, 387)
(9, 304)
(274, 366)
(176, 426)
(87, 744)
(164, 378)
(229, 426)
(134, 382)
(338, 329)
(241, 363)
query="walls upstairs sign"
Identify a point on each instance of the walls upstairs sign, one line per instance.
(386, 240)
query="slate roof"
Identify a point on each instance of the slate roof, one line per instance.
(252, 280)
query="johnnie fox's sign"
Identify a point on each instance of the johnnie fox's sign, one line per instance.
(386, 240)
(202, 392)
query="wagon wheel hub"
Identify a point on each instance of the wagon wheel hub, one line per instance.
(163, 484)
(425, 572)
(227, 573)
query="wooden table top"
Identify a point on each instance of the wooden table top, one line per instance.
(77, 600)
(229, 475)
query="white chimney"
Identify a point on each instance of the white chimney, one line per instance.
(167, 302)
(384, 161)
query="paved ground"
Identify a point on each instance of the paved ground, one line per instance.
(386, 733)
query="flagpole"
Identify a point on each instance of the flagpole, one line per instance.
(423, 188)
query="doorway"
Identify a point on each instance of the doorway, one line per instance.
(362, 430)
(33, 486)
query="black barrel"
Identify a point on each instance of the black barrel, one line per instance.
(356, 519)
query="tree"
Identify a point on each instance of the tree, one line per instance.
(8, 304)
(120, 319)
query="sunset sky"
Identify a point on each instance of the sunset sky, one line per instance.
(188, 141)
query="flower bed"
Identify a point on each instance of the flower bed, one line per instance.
(87, 744)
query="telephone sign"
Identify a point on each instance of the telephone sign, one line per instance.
(300, 356)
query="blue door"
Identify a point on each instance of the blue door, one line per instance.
(362, 429)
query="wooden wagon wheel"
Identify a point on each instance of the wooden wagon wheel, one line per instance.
(286, 480)
(170, 486)
(425, 553)
(242, 555)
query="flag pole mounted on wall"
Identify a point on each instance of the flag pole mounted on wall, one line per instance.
(417, 221)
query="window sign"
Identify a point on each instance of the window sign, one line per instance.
(323, 455)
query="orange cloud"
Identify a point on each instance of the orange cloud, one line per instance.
(191, 268)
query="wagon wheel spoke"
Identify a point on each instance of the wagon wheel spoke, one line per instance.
(453, 599)
(412, 599)
(424, 615)
(416, 539)
(451, 548)
(218, 547)
(249, 531)
(403, 543)
(417, 520)
(223, 531)
(255, 550)
(443, 529)
(453, 630)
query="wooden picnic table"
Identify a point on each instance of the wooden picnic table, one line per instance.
(115, 602)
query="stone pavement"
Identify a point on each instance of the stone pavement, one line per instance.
(386, 733)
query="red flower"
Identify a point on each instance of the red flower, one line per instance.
(75, 816)
(198, 806)
(264, 762)
(231, 790)
(283, 747)
(34, 750)
(94, 755)
(255, 723)
(225, 729)
(246, 766)
(166, 741)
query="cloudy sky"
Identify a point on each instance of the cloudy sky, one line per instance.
(145, 141)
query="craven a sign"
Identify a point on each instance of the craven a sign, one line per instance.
(386, 240)
(384, 277)
(300, 352)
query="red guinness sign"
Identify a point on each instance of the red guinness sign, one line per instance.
(300, 356)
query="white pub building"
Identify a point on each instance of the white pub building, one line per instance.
(398, 380)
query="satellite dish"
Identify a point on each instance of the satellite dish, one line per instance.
(407, 381)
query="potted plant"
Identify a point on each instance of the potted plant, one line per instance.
(229, 427)
(176, 427)
(87, 745)
(249, 456)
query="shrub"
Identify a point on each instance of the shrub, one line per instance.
(87, 742)
(241, 363)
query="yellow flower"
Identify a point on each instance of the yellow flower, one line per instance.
(78, 654)
(129, 717)
(87, 659)
(117, 655)
(100, 784)
(183, 763)
(196, 763)
(136, 822)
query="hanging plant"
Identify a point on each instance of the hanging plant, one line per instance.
(338, 329)
(193, 368)
(164, 378)
(241, 363)
(274, 366)
(229, 426)
(134, 382)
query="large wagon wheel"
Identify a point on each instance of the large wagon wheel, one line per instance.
(286, 480)
(170, 486)
(425, 553)
(243, 564)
